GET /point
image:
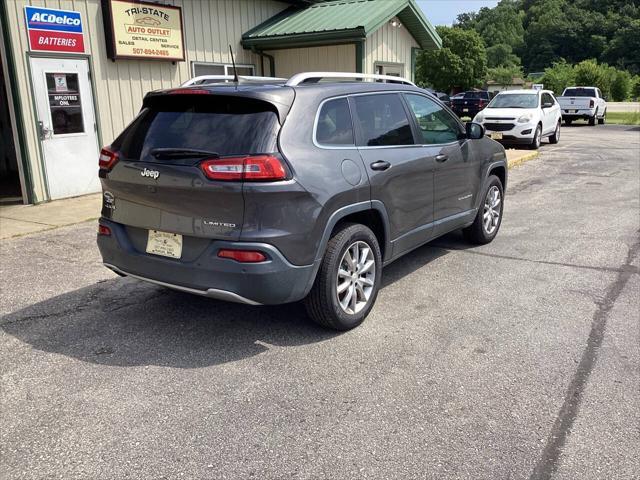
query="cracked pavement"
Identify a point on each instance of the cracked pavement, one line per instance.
(515, 360)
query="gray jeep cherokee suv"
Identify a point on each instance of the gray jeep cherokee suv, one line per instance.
(277, 192)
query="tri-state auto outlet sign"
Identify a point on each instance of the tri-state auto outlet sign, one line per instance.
(52, 30)
(143, 30)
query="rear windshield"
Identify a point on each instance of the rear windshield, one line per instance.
(579, 92)
(480, 95)
(225, 125)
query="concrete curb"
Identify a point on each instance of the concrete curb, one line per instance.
(514, 162)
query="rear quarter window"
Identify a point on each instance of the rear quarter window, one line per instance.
(334, 125)
(226, 125)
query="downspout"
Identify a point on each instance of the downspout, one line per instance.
(360, 56)
(272, 61)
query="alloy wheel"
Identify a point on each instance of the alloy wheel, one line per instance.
(356, 277)
(491, 214)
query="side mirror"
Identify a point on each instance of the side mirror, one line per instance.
(475, 131)
(547, 105)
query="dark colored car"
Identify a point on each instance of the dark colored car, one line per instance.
(443, 97)
(471, 103)
(274, 193)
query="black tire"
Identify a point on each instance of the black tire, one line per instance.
(592, 120)
(601, 121)
(322, 303)
(537, 139)
(476, 232)
(555, 138)
(567, 121)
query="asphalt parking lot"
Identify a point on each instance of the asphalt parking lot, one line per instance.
(515, 360)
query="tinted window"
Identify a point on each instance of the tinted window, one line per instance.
(436, 125)
(514, 100)
(383, 120)
(579, 92)
(477, 95)
(334, 123)
(226, 125)
(547, 98)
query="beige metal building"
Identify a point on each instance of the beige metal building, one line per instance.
(74, 72)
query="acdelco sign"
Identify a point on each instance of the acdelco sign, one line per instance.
(52, 30)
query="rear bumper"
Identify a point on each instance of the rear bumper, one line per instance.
(272, 282)
(579, 114)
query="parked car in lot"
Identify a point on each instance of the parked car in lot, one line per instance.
(583, 103)
(522, 117)
(470, 104)
(443, 97)
(289, 190)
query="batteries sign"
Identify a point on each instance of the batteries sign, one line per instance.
(52, 30)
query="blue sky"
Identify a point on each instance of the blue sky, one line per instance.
(444, 12)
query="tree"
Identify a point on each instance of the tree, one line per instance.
(635, 88)
(501, 30)
(501, 55)
(624, 49)
(462, 61)
(621, 86)
(542, 32)
(504, 75)
(558, 77)
(589, 74)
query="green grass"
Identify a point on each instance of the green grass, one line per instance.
(624, 118)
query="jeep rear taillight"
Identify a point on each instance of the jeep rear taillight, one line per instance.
(253, 168)
(108, 158)
(592, 103)
(242, 256)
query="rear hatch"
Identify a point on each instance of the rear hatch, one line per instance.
(179, 166)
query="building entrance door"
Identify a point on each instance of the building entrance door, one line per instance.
(66, 125)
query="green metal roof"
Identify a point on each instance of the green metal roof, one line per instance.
(339, 21)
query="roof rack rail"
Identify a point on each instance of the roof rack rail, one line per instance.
(299, 78)
(204, 79)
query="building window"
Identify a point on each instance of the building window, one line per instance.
(200, 68)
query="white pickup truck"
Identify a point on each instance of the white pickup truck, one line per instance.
(586, 103)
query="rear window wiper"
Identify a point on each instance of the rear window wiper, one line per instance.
(181, 153)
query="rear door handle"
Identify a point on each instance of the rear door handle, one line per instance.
(380, 165)
(442, 158)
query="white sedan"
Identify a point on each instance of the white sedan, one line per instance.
(522, 117)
